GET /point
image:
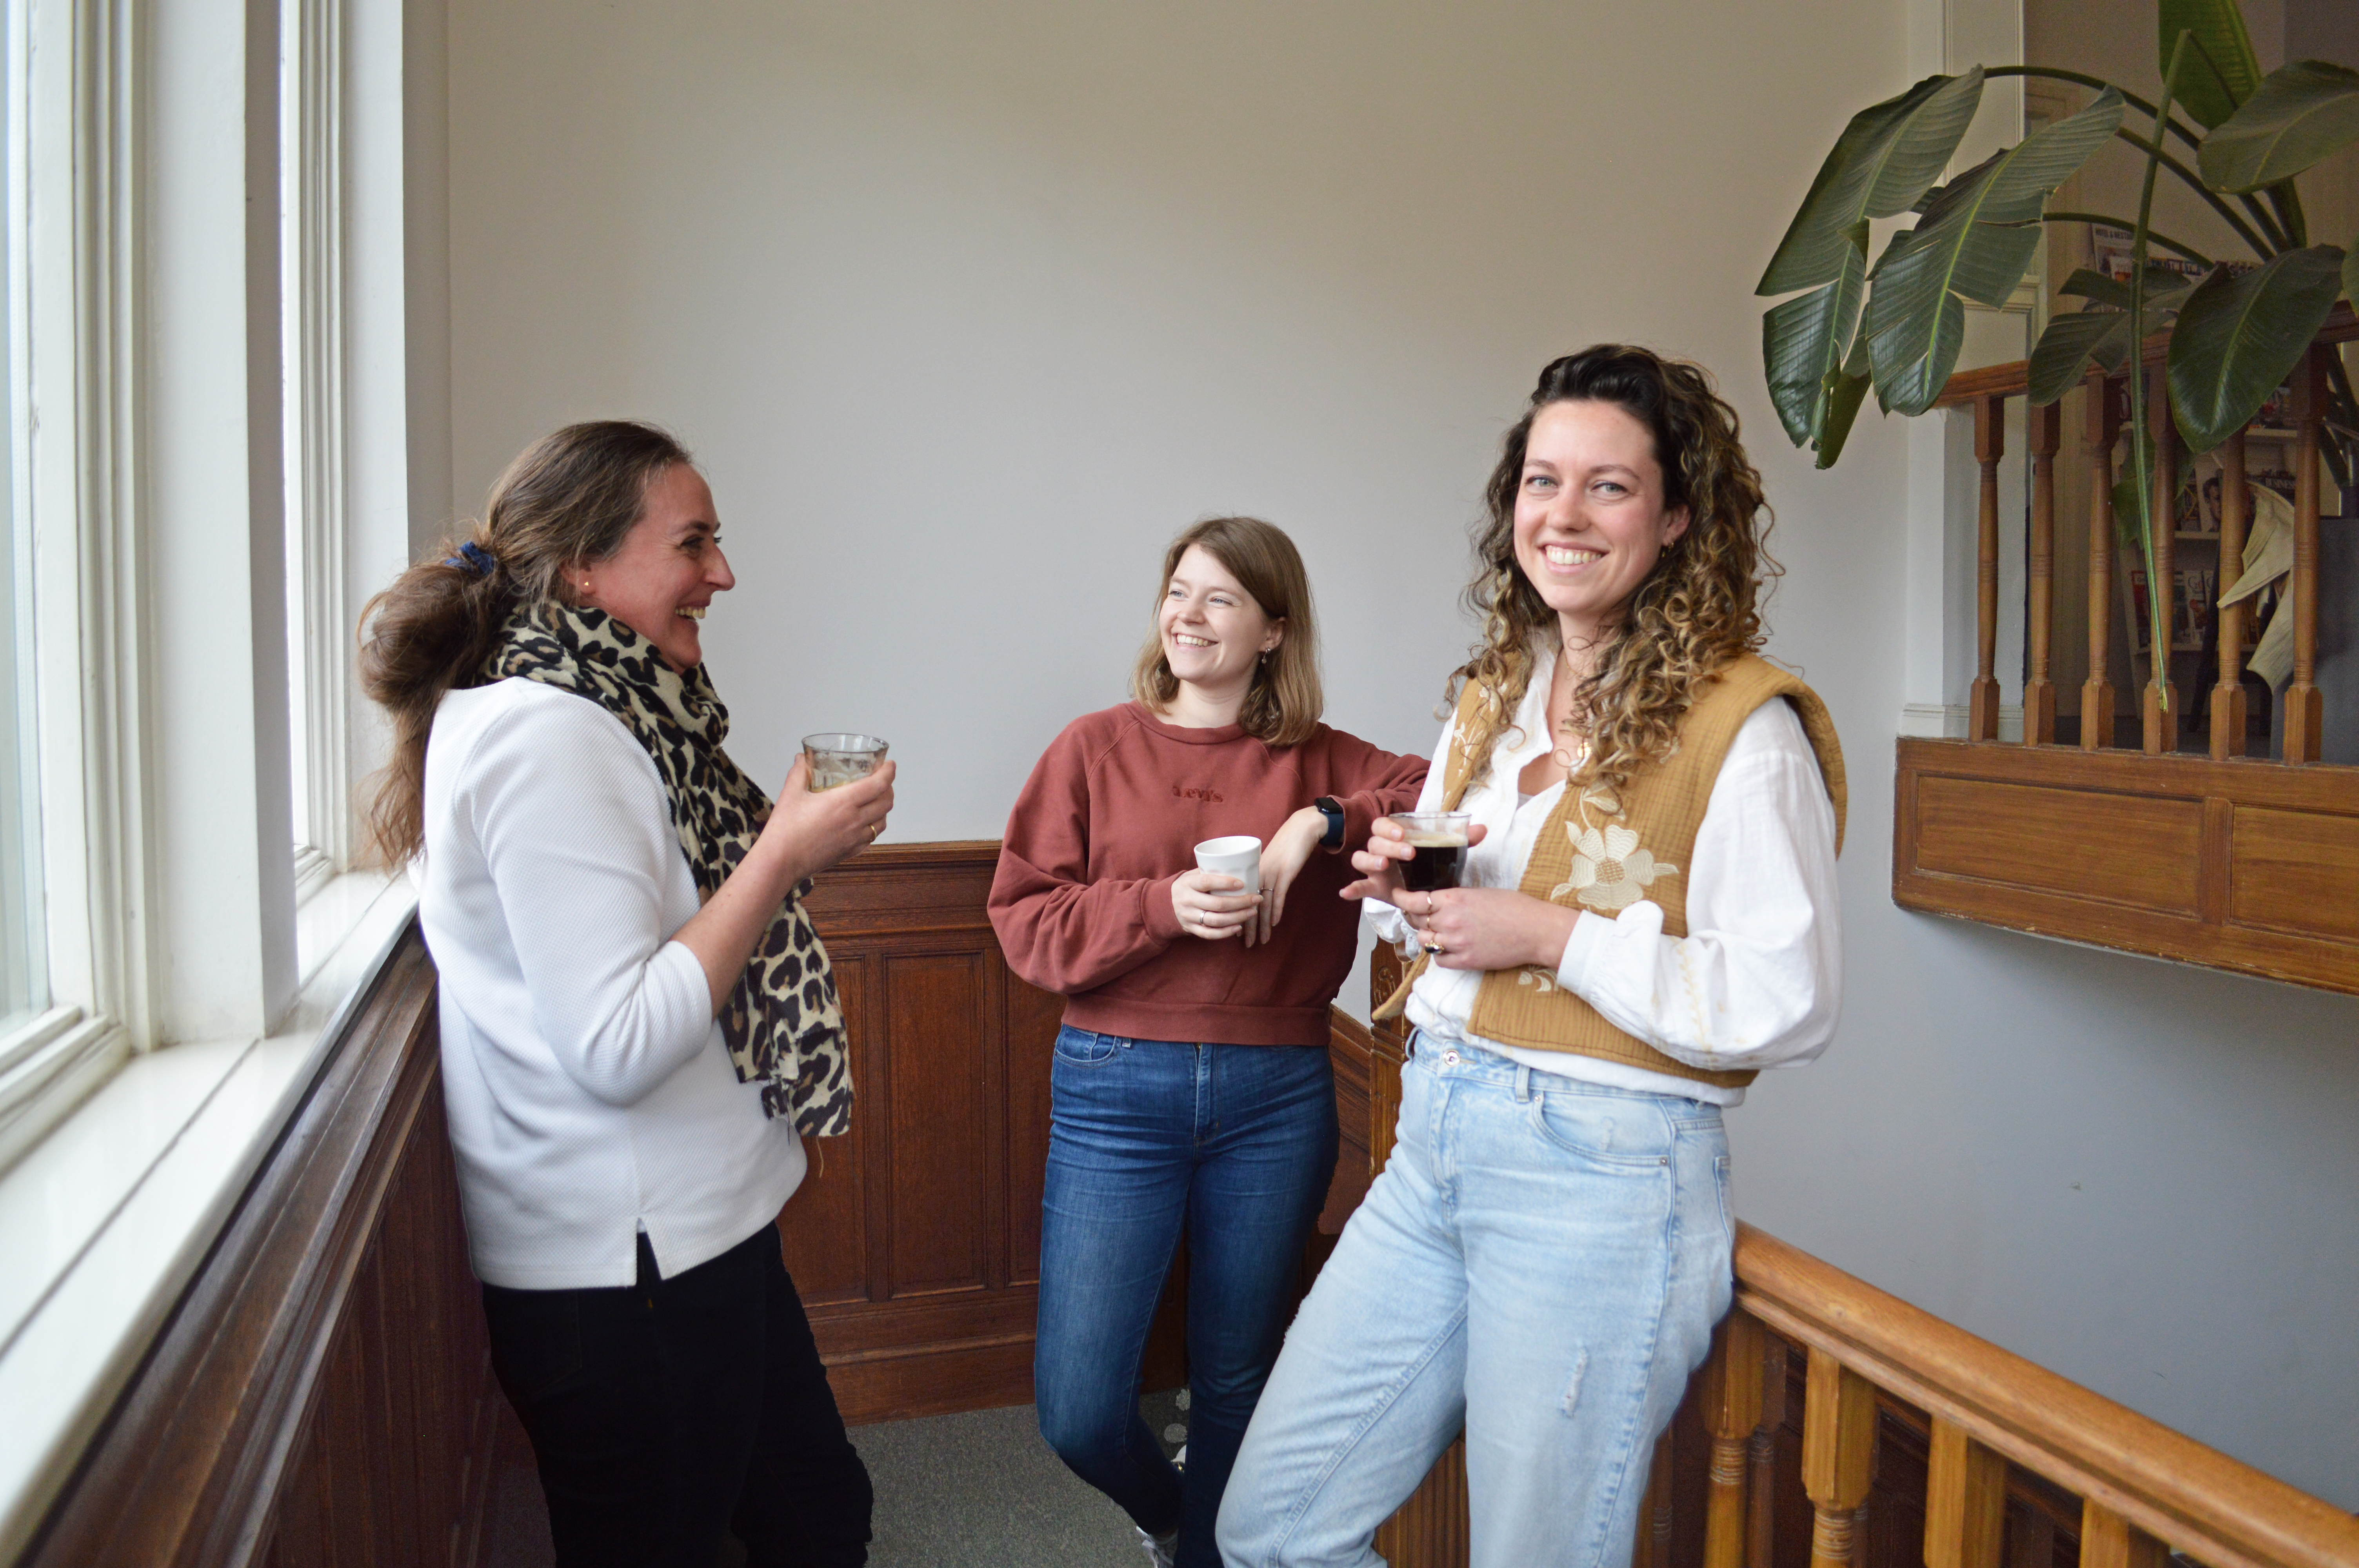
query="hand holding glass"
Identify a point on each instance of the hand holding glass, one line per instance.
(1439, 839)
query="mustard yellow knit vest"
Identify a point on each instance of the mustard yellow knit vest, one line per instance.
(1600, 853)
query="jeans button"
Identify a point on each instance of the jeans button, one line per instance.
(1450, 1058)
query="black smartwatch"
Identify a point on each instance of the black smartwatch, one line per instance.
(1328, 807)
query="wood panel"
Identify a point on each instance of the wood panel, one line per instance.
(2012, 834)
(2295, 872)
(321, 1394)
(937, 1182)
(832, 1202)
(920, 1230)
(2243, 865)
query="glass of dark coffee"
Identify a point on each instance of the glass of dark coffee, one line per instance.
(1439, 839)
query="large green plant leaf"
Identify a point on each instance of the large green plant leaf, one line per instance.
(1978, 236)
(2301, 113)
(2351, 274)
(2101, 332)
(1884, 160)
(2225, 71)
(2069, 342)
(1846, 390)
(2164, 289)
(2239, 336)
(1804, 340)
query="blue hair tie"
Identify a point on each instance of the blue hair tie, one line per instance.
(473, 558)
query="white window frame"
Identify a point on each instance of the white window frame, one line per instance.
(194, 997)
(313, 175)
(70, 303)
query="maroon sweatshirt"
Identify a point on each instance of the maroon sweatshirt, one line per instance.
(1112, 816)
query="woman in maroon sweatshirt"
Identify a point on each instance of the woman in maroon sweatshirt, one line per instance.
(1190, 1082)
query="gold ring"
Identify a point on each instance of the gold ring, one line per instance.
(1433, 947)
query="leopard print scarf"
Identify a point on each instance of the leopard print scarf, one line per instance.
(782, 1023)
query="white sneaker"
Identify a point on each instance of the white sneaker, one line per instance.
(1162, 1551)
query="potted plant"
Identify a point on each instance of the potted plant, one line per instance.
(2237, 331)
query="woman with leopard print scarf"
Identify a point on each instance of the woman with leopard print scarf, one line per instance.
(638, 1023)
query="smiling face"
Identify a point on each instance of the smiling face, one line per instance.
(1590, 521)
(667, 569)
(1213, 632)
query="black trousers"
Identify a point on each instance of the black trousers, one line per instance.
(667, 1412)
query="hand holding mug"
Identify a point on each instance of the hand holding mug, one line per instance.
(1214, 905)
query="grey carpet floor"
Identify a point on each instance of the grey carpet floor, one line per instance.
(977, 1491)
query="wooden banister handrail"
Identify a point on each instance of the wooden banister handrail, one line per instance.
(2013, 379)
(2193, 1498)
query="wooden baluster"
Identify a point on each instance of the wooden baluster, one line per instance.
(1761, 1494)
(2160, 722)
(1965, 1501)
(2109, 1540)
(2304, 710)
(2038, 691)
(1838, 1455)
(1653, 1547)
(1732, 1410)
(1990, 445)
(2104, 427)
(2228, 699)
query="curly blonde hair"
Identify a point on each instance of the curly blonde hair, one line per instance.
(1696, 612)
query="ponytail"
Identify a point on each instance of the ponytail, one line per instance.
(569, 498)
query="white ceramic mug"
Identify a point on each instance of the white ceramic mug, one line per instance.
(1239, 855)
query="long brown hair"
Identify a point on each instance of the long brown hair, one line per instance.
(1283, 705)
(569, 498)
(1695, 612)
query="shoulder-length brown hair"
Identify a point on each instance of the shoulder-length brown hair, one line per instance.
(1283, 705)
(1696, 612)
(569, 498)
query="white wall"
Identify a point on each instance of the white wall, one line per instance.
(967, 309)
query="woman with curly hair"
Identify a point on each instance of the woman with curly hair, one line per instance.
(1647, 918)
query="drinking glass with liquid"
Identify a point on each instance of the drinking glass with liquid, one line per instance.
(838, 757)
(1439, 839)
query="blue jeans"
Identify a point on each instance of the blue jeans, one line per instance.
(1238, 1143)
(1542, 1260)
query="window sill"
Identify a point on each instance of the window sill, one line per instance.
(102, 1222)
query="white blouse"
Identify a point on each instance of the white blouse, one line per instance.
(1757, 983)
(590, 1097)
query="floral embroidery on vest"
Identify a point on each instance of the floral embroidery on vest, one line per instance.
(1611, 869)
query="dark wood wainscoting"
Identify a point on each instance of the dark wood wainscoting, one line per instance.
(322, 1393)
(916, 1240)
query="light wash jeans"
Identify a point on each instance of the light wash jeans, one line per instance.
(1542, 1260)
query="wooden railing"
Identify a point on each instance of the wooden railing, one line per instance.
(2145, 1490)
(2210, 854)
(1986, 391)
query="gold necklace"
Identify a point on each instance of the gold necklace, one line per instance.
(1575, 749)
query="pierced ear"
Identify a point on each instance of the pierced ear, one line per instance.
(1675, 524)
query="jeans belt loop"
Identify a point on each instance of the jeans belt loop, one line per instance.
(1523, 1083)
